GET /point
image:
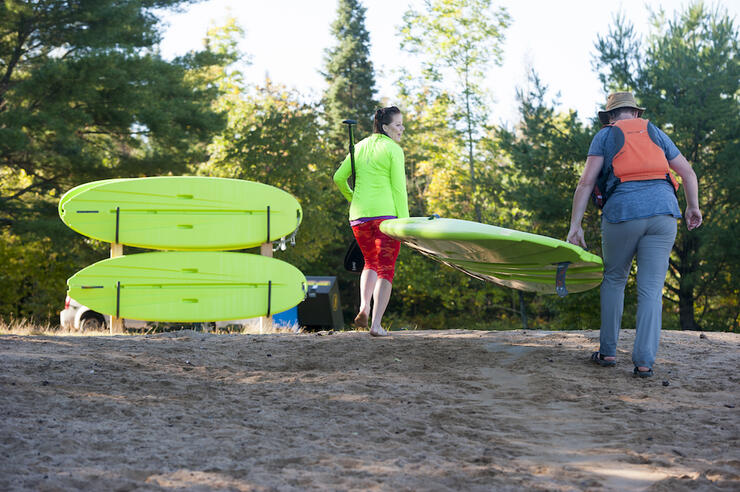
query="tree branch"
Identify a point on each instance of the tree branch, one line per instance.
(673, 289)
(14, 59)
(28, 188)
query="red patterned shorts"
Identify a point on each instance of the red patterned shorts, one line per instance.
(379, 250)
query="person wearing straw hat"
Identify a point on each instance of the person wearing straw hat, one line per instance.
(628, 170)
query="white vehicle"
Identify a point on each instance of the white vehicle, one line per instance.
(75, 316)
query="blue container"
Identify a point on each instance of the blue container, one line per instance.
(286, 318)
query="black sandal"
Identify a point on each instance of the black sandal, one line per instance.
(598, 358)
(642, 374)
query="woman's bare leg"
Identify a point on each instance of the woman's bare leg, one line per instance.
(368, 280)
(381, 297)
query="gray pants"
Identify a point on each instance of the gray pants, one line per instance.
(651, 239)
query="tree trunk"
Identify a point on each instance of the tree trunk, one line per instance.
(522, 310)
(686, 308)
(687, 265)
(471, 161)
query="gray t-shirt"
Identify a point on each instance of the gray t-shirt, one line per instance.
(637, 199)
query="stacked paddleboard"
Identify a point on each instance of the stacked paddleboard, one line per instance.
(515, 259)
(196, 218)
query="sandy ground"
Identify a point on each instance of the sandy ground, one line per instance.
(450, 410)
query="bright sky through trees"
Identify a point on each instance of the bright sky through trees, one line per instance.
(287, 38)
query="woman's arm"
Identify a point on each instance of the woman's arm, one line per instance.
(690, 189)
(341, 176)
(398, 183)
(580, 198)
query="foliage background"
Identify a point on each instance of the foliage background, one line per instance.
(83, 98)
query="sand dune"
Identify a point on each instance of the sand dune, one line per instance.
(448, 410)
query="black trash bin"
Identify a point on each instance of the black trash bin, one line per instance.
(322, 309)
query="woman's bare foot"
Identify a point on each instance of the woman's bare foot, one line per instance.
(361, 320)
(379, 332)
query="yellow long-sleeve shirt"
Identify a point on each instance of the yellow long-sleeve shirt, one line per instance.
(380, 187)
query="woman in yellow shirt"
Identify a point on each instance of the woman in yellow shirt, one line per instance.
(379, 194)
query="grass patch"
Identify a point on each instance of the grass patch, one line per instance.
(30, 327)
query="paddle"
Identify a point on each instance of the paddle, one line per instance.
(353, 260)
(349, 124)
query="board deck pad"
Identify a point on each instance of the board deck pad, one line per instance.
(188, 286)
(515, 259)
(181, 212)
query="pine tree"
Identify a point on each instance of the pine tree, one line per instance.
(85, 95)
(350, 76)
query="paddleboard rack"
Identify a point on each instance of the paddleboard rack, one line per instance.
(269, 283)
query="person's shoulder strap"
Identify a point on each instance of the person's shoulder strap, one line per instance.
(655, 134)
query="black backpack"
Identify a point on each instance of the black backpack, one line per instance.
(353, 260)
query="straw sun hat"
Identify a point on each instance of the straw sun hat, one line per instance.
(619, 100)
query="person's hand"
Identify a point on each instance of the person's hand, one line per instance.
(575, 236)
(693, 217)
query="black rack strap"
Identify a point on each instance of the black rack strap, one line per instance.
(118, 217)
(118, 299)
(268, 224)
(560, 279)
(269, 297)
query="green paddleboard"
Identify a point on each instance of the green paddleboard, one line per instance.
(188, 286)
(515, 259)
(181, 212)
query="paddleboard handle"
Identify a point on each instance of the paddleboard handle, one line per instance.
(118, 299)
(118, 215)
(560, 288)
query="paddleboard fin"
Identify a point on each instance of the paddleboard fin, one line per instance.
(560, 288)
(297, 224)
(281, 246)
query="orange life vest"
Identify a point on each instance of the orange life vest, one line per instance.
(638, 158)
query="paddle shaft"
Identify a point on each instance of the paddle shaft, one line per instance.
(349, 124)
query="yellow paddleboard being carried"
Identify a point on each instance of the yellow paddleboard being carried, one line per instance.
(181, 212)
(188, 286)
(515, 259)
